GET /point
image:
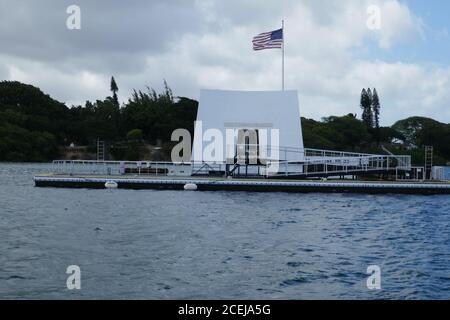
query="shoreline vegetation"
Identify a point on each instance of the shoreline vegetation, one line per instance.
(37, 128)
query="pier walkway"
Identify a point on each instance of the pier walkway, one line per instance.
(251, 185)
(311, 163)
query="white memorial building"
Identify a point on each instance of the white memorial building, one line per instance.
(238, 126)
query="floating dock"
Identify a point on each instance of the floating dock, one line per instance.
(250, 185)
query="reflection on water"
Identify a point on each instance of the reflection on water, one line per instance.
(193, 245)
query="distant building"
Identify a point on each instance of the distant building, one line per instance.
(440, 173)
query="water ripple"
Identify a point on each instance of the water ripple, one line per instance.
(180, 245)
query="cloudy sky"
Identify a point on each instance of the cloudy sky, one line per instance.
(330, 51)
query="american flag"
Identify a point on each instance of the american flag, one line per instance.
(268, 40)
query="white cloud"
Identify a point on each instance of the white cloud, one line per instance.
(398, 24)
(323, 45)
(75, 85)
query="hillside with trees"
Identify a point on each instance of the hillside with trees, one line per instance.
(35, 127)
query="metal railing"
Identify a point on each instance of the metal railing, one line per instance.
(307, 163)
(93, 167)
(286, 153)
(338, 166)
(315, 162)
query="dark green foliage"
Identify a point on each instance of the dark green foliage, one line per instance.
(336, 133)
(19, 144)
(28, 107)
(350, 134)
(34, 127)
(370, 105)
(418, 132)
(132, 152)
(388, 134)
(114, 90)
(315, 135)
(158, 115)
(366, 106)
(135, 135)
(376, 115)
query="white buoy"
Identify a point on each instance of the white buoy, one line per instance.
(111, 185)
(190, 187)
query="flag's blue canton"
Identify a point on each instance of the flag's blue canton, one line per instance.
(277, 34)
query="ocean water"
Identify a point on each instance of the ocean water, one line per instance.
(214, 245)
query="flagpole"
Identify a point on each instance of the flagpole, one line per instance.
(282, 57)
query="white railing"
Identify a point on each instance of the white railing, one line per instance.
(289, 153)
(308, 162)
(93, 167)
(328, 166)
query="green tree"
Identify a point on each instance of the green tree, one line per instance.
(114, 90)
(366, 106)
(419, 132)
(134, 135)
(35, 127)
(376, 114)
(348, 132)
